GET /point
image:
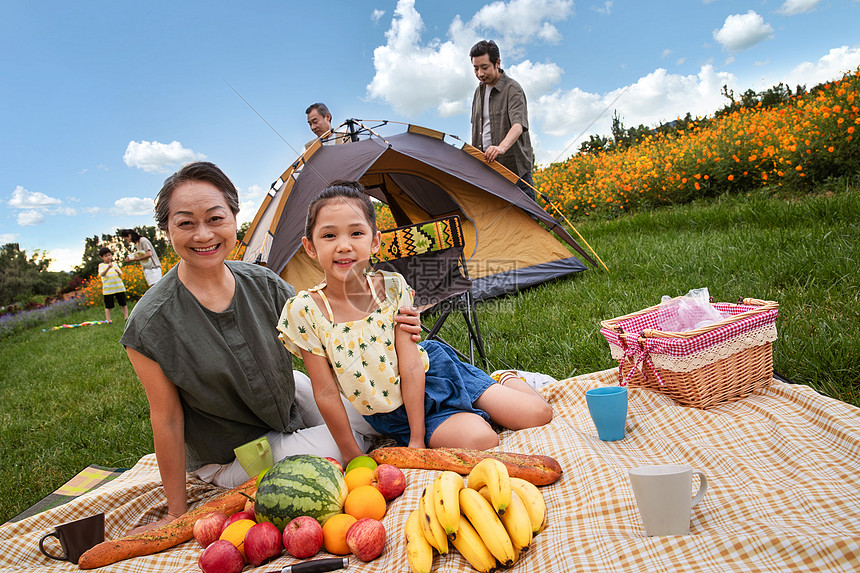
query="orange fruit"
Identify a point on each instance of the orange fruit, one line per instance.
(365, 501)
(358, 477)
(235, 533)
(334, 533)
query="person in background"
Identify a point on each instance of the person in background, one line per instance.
(145, 254)
(500, 117)
(204, 345)
(319, 120)
(112, 285)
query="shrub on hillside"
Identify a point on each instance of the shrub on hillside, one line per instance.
(806, 139)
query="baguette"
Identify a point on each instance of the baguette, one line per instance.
(169, 535)
(539, 470)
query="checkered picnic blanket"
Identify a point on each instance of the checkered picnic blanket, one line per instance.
(783, 468)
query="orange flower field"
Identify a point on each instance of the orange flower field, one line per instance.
(809, 138)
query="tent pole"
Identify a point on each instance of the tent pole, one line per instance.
(566, 220)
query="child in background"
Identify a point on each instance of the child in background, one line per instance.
(420, 394)
(112, 285)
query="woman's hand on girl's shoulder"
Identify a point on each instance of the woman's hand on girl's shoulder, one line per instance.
(409, 320)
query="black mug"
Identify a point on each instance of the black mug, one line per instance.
(76, 537)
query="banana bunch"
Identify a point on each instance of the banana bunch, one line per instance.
(490, 523)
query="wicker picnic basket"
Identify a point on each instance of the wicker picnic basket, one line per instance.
(700, 368)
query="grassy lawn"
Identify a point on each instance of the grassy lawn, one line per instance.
(70, 398)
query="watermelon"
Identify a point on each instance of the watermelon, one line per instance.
(300, 485)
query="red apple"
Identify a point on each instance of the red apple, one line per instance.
(208, 528)
(262, 542)
(336, 464)
(249, 507)
(389, 480)
(366, 538)
(221, 557)
(240, 515)
(303, 537)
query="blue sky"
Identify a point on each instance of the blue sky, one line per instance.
(103, 100)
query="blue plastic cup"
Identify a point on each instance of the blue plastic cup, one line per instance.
(608, 409)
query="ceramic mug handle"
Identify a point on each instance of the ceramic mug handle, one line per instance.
(42, 546)
(703, 487)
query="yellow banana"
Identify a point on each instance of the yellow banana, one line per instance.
(534, 502)
(483, 518)
(433, 532)
(413, 527)
(446, 496)
(419, 555)
(516, 521)
(472, 548)
(493, 474)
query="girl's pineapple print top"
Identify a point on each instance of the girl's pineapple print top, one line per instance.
(361, 353)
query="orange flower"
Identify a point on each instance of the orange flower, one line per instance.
(731, 177)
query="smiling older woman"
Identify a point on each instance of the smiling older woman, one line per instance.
(203, 342)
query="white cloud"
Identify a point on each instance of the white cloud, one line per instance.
(605, 9)
(743, 31)
(794, 7)
(250, 202)
(652, 100)
(377, 15)
(63, 259)
(8, 238)
(24, 199)
(536, 78)
(133, 206)
(155, 157)
(30, 217)
(829, 67)
(520, 21)
(414, 76)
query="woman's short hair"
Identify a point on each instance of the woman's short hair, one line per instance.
(198, 171)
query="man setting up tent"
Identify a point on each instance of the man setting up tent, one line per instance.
(319, 120)
(500, 122)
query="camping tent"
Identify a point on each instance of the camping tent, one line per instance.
(420, 176)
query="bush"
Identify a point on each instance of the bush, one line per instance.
(794, 141)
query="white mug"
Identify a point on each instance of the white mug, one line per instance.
(663, 495)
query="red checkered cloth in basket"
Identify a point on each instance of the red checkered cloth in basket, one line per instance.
(640, 350)
(683, 346)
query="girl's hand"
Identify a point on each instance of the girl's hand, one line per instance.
(148, 526)
(417, 444)
(409, 320)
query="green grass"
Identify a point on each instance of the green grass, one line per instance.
(70, 398)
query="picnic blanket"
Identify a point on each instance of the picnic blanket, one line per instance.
(783, 468)
(86, 480)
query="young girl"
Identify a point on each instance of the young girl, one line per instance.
(344, 331)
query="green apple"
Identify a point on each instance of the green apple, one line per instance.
(361, 462)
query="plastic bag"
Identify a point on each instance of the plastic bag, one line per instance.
(688, 312)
